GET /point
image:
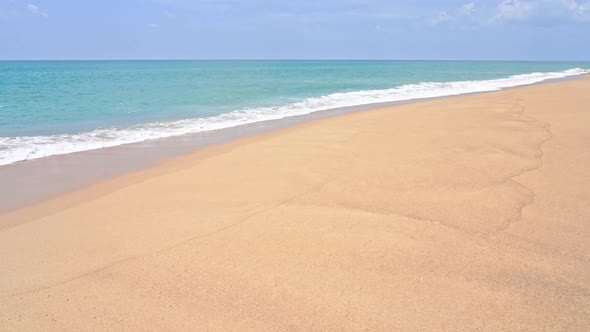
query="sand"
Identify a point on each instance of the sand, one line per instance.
(464, 213)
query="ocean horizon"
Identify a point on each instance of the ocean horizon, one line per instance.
(51, 107)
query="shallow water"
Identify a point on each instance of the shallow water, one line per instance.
(57, 107)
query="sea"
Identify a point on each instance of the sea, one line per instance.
(59, 107)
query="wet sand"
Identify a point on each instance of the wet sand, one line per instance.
(461, 213)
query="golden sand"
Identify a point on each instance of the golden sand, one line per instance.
(463, 213)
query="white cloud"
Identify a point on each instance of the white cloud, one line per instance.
(467, 9)
(543, 12)
(514, 10)
(169, 15)
(534, 12)
(36, 10)
(439, 18)
(464, 11)
(153, 25)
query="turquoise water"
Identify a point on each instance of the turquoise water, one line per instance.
(53, 107)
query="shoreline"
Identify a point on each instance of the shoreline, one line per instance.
(34, 181)
(466, 212)
(22, 148)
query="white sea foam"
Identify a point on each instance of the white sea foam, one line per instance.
(13, 149)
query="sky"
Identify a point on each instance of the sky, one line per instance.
(295, 29)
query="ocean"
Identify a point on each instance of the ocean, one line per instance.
(57, 107)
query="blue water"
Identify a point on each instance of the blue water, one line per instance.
(52, 107)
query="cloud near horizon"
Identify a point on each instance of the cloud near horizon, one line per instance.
(472, 13)
(311, 29)
(544, 12)
(534, 12)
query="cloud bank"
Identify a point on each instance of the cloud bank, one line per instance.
(533, 12)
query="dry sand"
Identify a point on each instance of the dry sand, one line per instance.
(463, 213)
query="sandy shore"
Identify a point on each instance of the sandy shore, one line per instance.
(457, 214)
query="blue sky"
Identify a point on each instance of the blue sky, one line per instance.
(297, 29)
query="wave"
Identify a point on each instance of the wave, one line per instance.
(14, 149)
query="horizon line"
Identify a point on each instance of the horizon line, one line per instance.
(295, 59)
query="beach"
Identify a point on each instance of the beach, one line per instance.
(461, 213)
